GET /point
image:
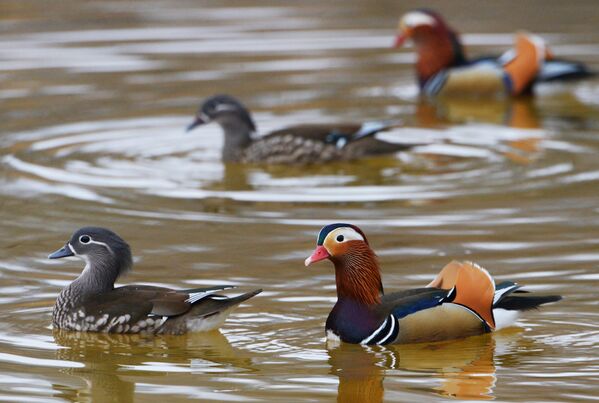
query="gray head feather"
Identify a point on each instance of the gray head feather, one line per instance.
(103, 250)
(225, 107)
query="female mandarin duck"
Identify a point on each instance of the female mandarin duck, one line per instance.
(443, 69)
(92, 303)
(461, 301)
(302, 144)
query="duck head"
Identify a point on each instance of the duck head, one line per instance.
(233, 117)
(222, 109)
(106, 255)
(357, 271)
(437, 45)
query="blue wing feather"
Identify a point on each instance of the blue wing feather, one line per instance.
(406, 305)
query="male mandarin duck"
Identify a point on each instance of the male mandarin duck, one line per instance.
(301, 144)
(461, 301)
(91, 302)
(443, 69)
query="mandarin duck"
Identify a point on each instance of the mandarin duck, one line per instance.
(301, 144)
(91, 303)
(443, 69)
(461, 301)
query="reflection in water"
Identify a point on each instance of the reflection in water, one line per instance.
(101, 353)
(465, 367)
(360, 370)
(112, 361)
(96, 96)
(97, 160)
(519, 113)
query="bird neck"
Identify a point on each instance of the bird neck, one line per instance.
(358, 276)
(437, 50)
(238, 135)
(96, 278)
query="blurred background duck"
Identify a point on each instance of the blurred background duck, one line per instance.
(461, 301)
(300, 144)
(92, 303)
(443, 68)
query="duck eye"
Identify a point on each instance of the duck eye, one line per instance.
(84, 239)
(340, 238)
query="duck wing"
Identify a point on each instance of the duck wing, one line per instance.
(339, 135)
(143, 306)
(406, 302)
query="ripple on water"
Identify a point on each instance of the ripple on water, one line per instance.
(518, 198)
(153, 156)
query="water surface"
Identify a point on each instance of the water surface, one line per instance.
(95, 97)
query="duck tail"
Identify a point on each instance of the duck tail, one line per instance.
(562, 70)
(243, 297)
(216, 303)
(373, 127)
(516, 302)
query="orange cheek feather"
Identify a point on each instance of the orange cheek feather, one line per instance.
(337, 249)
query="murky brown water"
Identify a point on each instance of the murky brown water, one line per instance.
(94, 98)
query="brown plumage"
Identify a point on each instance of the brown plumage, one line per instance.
(460, 302)
(443, 69)
(357, 274)
(300, 144)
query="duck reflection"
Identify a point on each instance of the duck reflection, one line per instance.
(519, 113)
(366, 171)
(111, 360)
(465, 368)
(361, 371)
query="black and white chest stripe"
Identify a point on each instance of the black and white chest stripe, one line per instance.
(386, 333)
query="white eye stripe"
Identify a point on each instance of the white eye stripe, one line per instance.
(349, 234)
(224, 108)
(91, 241)
(102, 244)
(416, 18)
